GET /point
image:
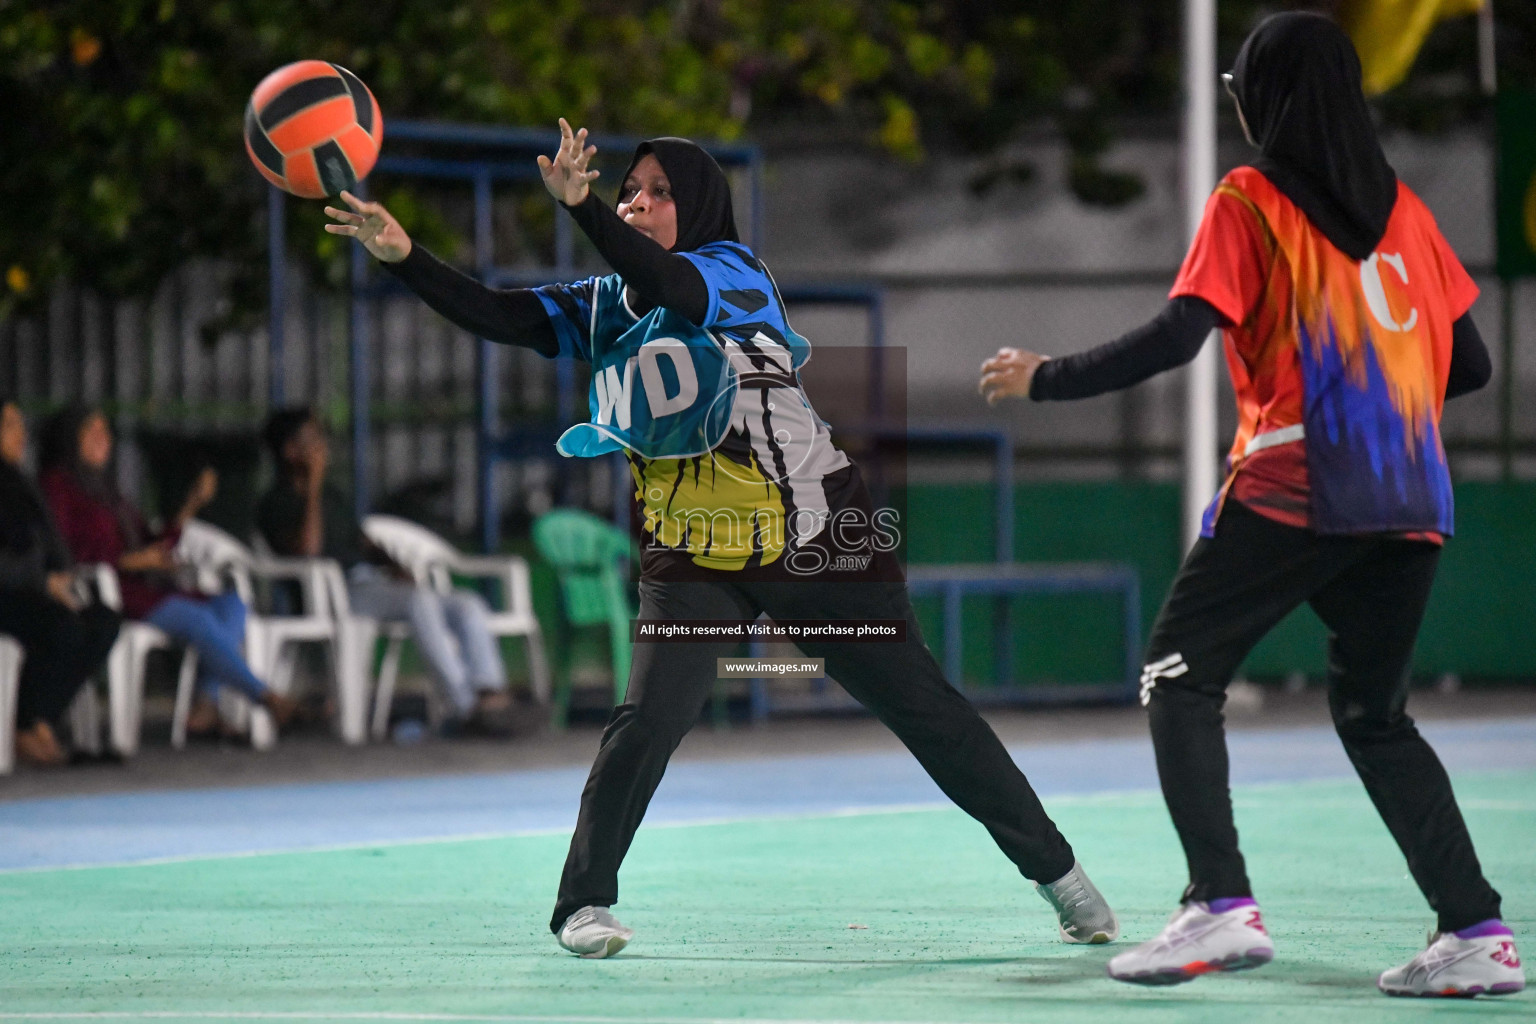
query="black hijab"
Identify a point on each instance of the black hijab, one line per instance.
(19, 508)
(26, 527)
(1297, 80)
(699, 188)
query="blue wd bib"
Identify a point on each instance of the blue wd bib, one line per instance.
(663, 387)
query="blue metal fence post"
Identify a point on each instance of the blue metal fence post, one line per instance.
(565, 366)
(877, 354)
(277, 273)
(1132, 634)
(1002, 613)
(566, 399)
(758, 698)
(954, 647)
(361, 378)
(565, 242)
(485, 372)
(1003, 473)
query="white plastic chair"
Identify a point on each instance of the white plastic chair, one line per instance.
(433, 563)
(11, 657)
(127, 662)
(271, 641)
(395, 635)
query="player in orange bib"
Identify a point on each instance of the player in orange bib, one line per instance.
(1346, 326)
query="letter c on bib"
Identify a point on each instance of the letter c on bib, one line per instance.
(655, 388)
(1376, 292)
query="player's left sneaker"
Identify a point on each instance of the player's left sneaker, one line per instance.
(592, 933)
(1481, 960)
(1082, 913)
(1222, 935)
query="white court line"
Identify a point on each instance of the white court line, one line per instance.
(280, 1015)
(470, 837)
(1108, 796)
(1103, 796)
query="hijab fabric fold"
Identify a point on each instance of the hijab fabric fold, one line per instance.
(1297, 82)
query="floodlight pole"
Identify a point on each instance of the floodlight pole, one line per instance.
(1199, 182)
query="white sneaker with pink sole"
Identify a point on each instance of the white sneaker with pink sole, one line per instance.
(1200, 938)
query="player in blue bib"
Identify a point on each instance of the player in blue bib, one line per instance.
(744, 504)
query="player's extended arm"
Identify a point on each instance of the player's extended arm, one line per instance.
(659, 277)
(1174, 337)
(511, 316)
(1170, 339)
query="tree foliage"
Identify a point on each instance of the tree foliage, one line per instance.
(122, 155)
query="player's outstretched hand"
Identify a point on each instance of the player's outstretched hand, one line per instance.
(566, 176)
(1009, 374)
(372, 225)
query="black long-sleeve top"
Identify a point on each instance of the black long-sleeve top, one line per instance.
(1174, 337)
(30, 544)
(516, 316)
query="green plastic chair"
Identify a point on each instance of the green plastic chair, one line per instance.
(588, 556)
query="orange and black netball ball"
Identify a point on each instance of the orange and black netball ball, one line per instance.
(312, 128)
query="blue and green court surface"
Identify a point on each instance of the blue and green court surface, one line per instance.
(796, 889)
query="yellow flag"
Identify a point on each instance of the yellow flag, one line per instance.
(1388, 33)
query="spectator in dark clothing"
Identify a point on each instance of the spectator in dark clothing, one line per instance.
(99, 525)
(64, 638)
(306, 516)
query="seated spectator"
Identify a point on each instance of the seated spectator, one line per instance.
(65, 639)
(304, 515)
(99, 525)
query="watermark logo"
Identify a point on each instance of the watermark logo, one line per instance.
(847, 540)
(843, 541)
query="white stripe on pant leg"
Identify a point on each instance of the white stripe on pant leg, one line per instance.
(1170, 667)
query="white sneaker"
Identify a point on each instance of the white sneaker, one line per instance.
(1451, 966)
(593, 934)
(1197, 941)
(1082, 913)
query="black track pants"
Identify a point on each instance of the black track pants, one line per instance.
(62, 649)
(1370, 592)
(900, 682)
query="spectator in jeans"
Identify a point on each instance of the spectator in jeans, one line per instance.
(99, 525)
(64, 639)
(304, 515)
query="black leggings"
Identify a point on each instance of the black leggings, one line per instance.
(62, 649)
(1370, 592)
(900, 682)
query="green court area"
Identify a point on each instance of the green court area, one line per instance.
(891, 916)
